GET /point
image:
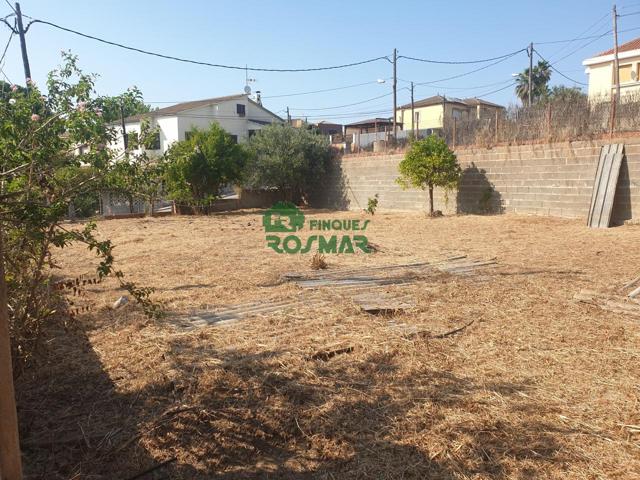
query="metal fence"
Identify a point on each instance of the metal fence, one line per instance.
(365, 141)
(550, 121)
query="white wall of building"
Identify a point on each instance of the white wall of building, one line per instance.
(173, 128)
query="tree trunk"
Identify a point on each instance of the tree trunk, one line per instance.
(10, 462)
(431, 200)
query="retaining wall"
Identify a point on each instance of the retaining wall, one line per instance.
(545, 179)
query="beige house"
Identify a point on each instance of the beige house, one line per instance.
(434, 112)
(600, 71)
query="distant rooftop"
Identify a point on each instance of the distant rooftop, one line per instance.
(439, 99)
(625, 47)
(184, 106)
(370, 121)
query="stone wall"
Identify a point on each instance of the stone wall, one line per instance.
(543, 179)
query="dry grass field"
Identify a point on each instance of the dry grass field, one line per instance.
(538, 386)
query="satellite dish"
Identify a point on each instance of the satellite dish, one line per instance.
(634, 75)
(247, 89)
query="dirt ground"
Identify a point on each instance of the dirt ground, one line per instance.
(539, 386)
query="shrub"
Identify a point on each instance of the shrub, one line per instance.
(429, 163)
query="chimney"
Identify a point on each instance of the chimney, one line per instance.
(258, 99)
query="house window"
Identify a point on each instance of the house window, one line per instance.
(187, 135)
(624, 73)
(241, 109)
(251, 133)
(234, 138)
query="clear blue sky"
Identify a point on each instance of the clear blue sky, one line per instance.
(300, 34)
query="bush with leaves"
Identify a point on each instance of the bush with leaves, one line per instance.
(196, 169)
(288, 159)
(41, 174)
(429, 163)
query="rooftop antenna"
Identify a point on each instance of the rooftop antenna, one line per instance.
(247, 80)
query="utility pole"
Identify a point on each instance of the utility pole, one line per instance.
(616, 73)
(10, 462)
(288, 116)
(23, 45)
(616, 65)
(125, 137)
(395, 91)
(530, 81)
(413, 116)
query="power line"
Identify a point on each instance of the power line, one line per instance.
(11, 6)
(571, 40)
(581, 47)
(207, 64)
(485, 60)
(342, 106)
(558, 71)
(322, 91)
(476, 87)
(595, 25)
(471, 71)
(4, 53)
(512, 84)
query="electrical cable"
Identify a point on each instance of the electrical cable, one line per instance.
(342, 106)
(558, 71)
(4, 53)
(324, 90)
(207, 64)
(444, 62)
(471, 71)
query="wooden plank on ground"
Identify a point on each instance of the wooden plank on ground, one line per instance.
(380, 304)
(604, 185)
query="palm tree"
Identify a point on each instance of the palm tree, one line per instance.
(540, 76)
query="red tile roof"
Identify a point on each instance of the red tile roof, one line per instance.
(625, 47)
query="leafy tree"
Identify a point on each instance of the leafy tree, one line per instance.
(137, 176)
(540, 76)
(289, 159)
(561, 93)
(42, 173)
(130, 103)
(197, 168)
(429, 163)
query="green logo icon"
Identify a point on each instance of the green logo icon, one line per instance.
(283, 217)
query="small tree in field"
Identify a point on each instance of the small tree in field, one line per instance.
(429, 163)
(289, 159)
(196, 169)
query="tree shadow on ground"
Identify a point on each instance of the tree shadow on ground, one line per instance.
(273, 414)
(73, 422)
(476, 194)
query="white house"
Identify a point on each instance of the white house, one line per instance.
(238, 115)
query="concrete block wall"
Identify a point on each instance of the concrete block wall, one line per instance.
(545, 179)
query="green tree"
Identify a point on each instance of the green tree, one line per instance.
(42, 172)
(137, 176)
(288, 159)
(561, 93)
(130, 103)
(197, 168)
(429, 163)
(540, 76)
